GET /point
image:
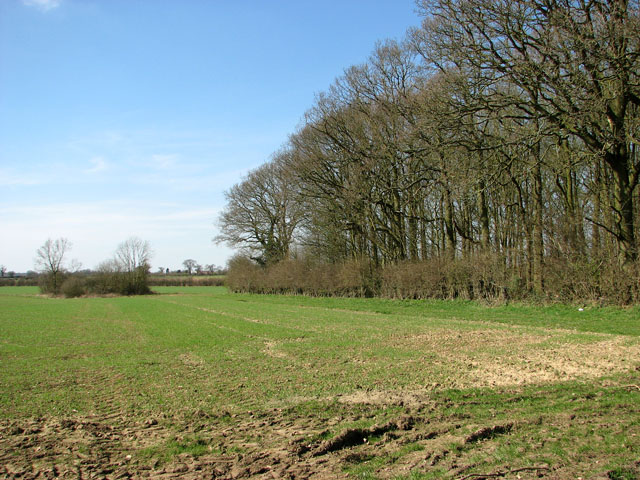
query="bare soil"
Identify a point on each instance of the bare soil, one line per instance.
(272, 444)
(501, 357)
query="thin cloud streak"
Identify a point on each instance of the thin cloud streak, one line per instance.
(42, 5)
(99, 165)
(11, 179)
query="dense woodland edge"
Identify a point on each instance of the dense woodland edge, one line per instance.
(491, 154)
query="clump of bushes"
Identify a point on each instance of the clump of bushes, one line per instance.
(126, 274)
(480, 277)
(73, 287)
(436, 278)
(593, 280)
(110, 279)
(50, 283)
(19, 282)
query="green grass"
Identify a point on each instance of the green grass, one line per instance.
(19, 291)
(208, 348)
(623, 321)
(200, 349)
(165, 452)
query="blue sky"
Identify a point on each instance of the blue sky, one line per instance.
(124, 118)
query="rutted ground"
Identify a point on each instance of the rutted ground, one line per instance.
(399, 438)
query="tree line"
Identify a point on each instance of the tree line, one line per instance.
(494, 151)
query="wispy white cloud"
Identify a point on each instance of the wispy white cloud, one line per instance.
(51, 173)
(163, 162)
(43, 5)
(11, 178)
(190, 179)
(99, 164)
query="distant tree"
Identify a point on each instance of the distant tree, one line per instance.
(199, 269)
(132, 259)
(75, 265)
(3, 270)
(133, 253)
(160, 269)
(50, 261)
(189, 264)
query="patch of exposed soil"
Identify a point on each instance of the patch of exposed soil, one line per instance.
(191, 360)
(121, 448)
(273, 444)
(271, 349)
(496, 357)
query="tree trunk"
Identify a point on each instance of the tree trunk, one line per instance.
(484, 217)
(450, 232)
(538, 243)
(623, 206)
(596, 243)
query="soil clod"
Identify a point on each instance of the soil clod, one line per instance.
(488, 432)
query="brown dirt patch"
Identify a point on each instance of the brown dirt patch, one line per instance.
(191, 360)
(501, 357)
(271, 349)
(95, 447)
(286, 447)
(273, 444)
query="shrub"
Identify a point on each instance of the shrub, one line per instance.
(51, 283)
(74, 286)
(19, 282)
(244, 275)
(601, 281)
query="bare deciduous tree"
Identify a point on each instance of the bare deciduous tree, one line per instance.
(132, 259)
(499, 142)
(262, 212)
(190, 264)
(133, 254)
(210, 268)
(574, 64)
(50, 261)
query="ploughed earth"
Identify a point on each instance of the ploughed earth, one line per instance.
(281, 443)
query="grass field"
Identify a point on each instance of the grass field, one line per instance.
(195, 382)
